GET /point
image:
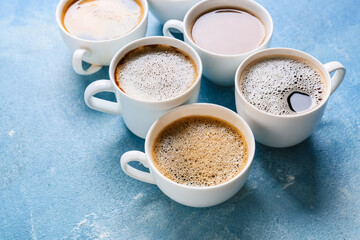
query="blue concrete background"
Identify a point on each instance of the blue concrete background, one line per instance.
(60, 176)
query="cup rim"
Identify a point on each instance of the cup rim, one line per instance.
(250, 142)
(62, 4)
(155, 40)
(152, 1)
(287, 52)
(269, 30)
(171, 0)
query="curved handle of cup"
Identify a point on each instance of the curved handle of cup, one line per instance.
(172, 24)
(137, 156)
(100, 104)
(338, 75)
(77, 63)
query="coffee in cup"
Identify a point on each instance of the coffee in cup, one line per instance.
(283, 85)
(224, 33)
(155, 72)
(200, 151)
(149, 77)
(94, 30)
(101, 19)
(282, 94)
(198, 154)
(228, 31)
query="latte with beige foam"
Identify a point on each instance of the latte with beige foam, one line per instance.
(99, 20)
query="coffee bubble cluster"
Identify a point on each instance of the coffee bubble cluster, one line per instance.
(155, 73)
(267, 83)
(200, 151)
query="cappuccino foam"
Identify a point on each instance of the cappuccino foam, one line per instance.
(200, 151)
(155, 72)
(102, 19)
(268, 83)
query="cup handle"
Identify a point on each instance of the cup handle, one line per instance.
(338, 75)
(133, 172)
(172, 24)
(77, 63)
(100, 104)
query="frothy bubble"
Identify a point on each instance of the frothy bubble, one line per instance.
(155, 73)
(200, 151)
(267, 83)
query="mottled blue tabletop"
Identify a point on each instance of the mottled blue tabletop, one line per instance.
(60, 176)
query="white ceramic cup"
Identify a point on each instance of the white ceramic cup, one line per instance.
(165, 10)
(97, 53)
(138, 114)
(190, 195)
(220, 68)
(286, 130)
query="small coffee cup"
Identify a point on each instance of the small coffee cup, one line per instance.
(165, 10)
(286, 130)
(98, 53)
(190, 195)
(139, 114)
(221, 68)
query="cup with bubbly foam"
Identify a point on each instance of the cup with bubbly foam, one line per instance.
(282, 93)
(199, 155)
(224, 33)
(149, 77)
(95, 30)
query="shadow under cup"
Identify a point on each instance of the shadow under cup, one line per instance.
(286, 130)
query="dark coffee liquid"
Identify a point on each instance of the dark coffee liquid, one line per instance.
(299, 102)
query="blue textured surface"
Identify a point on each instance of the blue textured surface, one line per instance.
(60, 176)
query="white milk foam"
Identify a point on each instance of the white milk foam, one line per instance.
(200, 151)
(102, 19)
(155, 73)
(268, 82)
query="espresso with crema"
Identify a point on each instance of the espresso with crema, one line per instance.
(155, 73)
(200, 151)
(101, 19)
(228, 31)
(283, 85)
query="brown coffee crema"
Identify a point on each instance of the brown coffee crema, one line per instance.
(282, 85)
(200, 151)
(228, 31)
(155, 72)
(99, 20)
